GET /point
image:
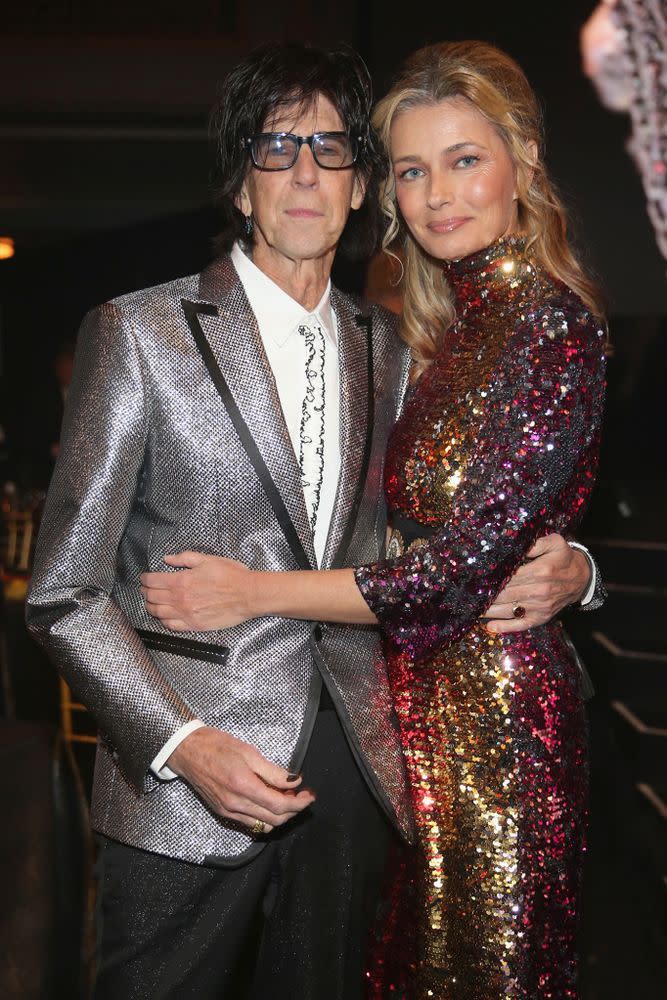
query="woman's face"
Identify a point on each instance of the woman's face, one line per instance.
(455, 180)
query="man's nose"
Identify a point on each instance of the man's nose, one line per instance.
(305, 170)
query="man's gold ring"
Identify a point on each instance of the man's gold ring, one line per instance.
(518, 611)
(259, 826)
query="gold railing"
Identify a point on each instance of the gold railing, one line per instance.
(69, 711)
(18, 530)
(19, 518)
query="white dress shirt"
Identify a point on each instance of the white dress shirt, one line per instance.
(590, 590)
(278, 318)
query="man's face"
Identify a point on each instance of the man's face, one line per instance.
(299, 214)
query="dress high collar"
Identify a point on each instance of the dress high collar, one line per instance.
(498, 273)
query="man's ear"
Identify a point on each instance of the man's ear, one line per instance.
(242, 200)
(358, 191)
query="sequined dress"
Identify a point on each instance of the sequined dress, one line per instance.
(496, 446)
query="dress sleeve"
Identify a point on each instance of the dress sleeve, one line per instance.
(534, 462)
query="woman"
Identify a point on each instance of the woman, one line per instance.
(496, 446)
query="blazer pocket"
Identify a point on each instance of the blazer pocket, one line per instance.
(183, 647)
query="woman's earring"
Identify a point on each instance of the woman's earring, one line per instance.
(248, 226)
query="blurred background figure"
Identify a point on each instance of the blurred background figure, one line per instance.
(624, 49)
(604, 56)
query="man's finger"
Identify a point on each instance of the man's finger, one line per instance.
(256, 811)
(278, 804)
(518, 595)
(548, 543)
(249, 821)
(264, 782)
(535, 550)
(285, 808)
(272, 774)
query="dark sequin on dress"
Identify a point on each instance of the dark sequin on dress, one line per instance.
(496, 446)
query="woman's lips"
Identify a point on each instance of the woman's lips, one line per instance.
(448, 225)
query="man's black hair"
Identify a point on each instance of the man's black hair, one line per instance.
(271, 79)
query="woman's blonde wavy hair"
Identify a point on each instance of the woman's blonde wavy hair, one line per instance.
(498, 88)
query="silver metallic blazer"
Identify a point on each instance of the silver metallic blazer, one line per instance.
(174, 439)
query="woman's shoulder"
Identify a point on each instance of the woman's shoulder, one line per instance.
(559, 317)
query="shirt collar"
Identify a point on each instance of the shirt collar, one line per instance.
(278, 314)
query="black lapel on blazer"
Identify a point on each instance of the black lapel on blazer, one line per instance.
(338, 558)
(192, 312)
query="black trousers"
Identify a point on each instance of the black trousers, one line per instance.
(293, 923)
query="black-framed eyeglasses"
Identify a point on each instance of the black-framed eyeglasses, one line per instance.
(279, 150)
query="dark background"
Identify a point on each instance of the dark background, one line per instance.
(104, 159)
(104, 187)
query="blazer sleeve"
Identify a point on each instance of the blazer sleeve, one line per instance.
(70, 608)
(537, 443)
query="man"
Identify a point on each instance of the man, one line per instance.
(242, 412)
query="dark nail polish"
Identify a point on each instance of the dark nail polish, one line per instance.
(293, 777)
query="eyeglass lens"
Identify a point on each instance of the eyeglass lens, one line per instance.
(272, 151)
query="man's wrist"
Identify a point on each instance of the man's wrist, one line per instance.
(182, 755)
(160, 765)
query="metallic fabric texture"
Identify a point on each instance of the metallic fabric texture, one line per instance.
(497, 444)
(150, 464)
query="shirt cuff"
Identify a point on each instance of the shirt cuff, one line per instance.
(158, 765)
(590, 590)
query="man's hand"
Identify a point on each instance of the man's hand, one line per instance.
(209, 593)
(554, 576)
(236, 781)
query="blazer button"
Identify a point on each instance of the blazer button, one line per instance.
(317, 633)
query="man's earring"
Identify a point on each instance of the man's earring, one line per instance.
(248, 226)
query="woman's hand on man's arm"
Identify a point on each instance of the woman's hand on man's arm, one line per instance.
(211, 592)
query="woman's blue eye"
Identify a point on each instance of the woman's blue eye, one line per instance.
(467, 161)
(410, 173)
